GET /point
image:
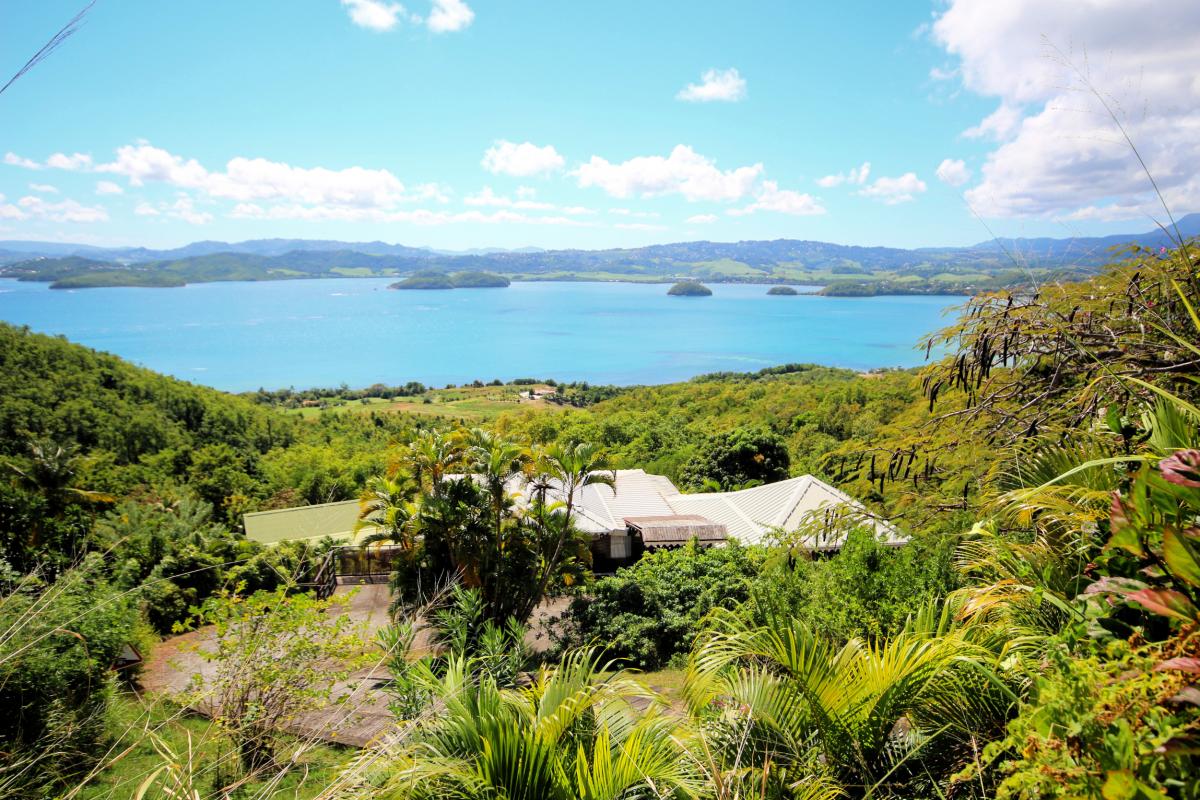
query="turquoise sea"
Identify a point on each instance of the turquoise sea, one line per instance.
(304, 333)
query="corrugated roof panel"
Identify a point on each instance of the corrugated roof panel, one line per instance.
(715, 508)
(335, 520)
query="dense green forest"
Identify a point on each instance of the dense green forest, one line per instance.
(1036, 638)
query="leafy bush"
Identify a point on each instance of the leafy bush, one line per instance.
(865, 590)
(57, 645)
(1119, 724)
(648, 615)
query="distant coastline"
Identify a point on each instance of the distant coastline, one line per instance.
(111, 280)
(842, 270)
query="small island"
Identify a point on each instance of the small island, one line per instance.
(782, 290)
(689, 289)
(459, 280)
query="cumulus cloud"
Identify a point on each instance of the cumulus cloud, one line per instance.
(184, 208)
(487, 197)
(769, 197)
(724, 85)
(43, 188)
(953, 172)
(247, 179)
(375, 15)
(1000, 124)
(895, 190)
(521, 160)
(14, 160)
(449, 15)
(66, 210)
(1059, 152)
(445, 15)
(857, 176)
(10, 211)
(419, 216)
(629, 212)
(108, 187)
(73, 162)
(702, 219)
(684, 172)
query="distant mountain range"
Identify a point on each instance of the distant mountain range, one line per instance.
(929, 269)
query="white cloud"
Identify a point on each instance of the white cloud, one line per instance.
(856, 176)
(146, 210)
(702, 219)
(247, 179)
(449, 15)
(108, 187)
(43, 188)
(418, 216)
(74, 162)
(769, 197)
(953, 172)
(999, 125)
(9, 211)
(895, 190)
(63, 211)
(487, 197)
(578, 210)
(724, 85)
(184, 209)
(526, 192)
(14, 160)
(629, 212)
(375, 15)
(521, 160)
(684, 172)
(1061, 154)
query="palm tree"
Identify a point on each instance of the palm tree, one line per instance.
(388, 508)
(430, 456)
(568, 468)
(574, 734)
(496, 461)
(866, 707)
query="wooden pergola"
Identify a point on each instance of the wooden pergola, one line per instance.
(676, 530)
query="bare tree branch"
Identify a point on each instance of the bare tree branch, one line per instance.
(49, 47)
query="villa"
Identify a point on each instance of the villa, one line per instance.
(641, 512)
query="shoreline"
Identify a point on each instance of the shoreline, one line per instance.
(818, 289)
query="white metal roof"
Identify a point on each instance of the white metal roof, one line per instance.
(749, 514)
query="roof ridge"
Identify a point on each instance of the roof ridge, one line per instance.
(298, 508)
(804, 483)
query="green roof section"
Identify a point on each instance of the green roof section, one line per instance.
(335, 520)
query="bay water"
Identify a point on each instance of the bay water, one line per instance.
(355, 331)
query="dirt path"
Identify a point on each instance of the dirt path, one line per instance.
(359, 713)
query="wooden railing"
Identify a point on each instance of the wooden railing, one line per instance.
(353, 564)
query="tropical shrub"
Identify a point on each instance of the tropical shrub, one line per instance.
(648, 615)
(58, 643)
(1120, 723)
(574, 733)
(864, 590)
(889, 717)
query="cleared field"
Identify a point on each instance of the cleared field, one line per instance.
(470, 404)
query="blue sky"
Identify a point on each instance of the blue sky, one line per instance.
(473, 123)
